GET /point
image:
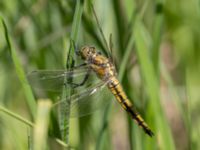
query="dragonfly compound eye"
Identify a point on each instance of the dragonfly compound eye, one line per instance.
(85, 52)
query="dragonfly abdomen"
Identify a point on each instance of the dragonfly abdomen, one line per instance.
(121, 97)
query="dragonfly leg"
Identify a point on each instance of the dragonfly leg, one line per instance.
(75, 85)
(81, 65)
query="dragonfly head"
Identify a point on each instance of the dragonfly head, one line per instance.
(87, 51)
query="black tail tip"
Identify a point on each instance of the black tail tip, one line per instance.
(149, 132)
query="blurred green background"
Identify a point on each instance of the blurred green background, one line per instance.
(157, 53)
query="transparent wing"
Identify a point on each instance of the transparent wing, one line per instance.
(87, 101)
(53, 80)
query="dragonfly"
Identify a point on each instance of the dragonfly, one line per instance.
(104, 69)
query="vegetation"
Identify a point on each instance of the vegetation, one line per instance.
(156, 51)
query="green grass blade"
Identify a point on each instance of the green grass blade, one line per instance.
(161, 127)
(156, 37)
(20, 72)
(65, 121)
(77, 20)
(14, 115)
(192, 90)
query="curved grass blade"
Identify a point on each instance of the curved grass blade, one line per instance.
(20, 72)
(14, 115)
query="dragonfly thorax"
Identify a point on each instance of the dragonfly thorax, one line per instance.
(98, 63)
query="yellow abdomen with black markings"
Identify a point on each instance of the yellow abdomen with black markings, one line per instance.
(121, 97)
